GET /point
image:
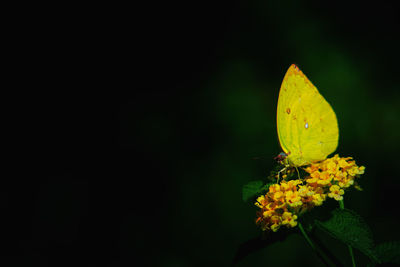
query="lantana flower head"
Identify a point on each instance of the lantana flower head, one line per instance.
(286, 201)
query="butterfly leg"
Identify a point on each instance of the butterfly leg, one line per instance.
(284, 169)
(298, 173)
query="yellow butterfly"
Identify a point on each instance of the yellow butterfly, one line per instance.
(307, 125)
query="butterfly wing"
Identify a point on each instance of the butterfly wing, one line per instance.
(307, 125)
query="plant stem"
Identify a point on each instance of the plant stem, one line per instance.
(306, 236)
(341, 204)
(324, 249)
(352, 255)
(353, 261)
(316, 249)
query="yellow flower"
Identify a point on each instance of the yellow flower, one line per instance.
(336, 192)
(312, 168)
(289, 219)
(340, 169)
(315, 174)
(274, 188)
(344, 183)
(290, 185)
(356, 170)
(276, 223)
(305, 191)
(312, 180)
(340, 175)
(268, 213)
(335, 157)
(343, 163)
(324, 178)
(361, 170)
(261, 202)
(275, 227)
(318, 199)
(293, 198)
(331, 167)
(278, 195)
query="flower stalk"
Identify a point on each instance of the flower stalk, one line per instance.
(320, 254)
(353, 261)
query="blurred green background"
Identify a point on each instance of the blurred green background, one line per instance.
(149, 163)
(206, 119)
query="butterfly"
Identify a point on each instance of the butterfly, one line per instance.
(307, 125)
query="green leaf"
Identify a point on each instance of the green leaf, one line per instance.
(388, 252)
(350, 228)
(252, 189)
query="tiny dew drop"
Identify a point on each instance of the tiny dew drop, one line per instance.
(306, 125)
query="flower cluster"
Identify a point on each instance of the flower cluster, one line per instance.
(287, 200)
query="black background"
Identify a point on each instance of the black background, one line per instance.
(134, 127)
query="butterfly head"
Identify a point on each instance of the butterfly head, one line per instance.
(281, 157)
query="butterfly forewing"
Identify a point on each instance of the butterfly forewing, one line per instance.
(306, 123)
